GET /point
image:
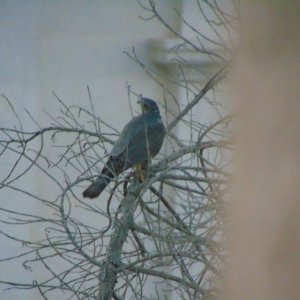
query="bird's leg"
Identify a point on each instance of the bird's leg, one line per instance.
(139, 173)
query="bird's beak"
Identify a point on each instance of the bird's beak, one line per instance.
(140, 102)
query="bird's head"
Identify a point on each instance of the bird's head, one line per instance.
(147, 105)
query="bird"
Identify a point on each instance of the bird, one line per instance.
(140, 140)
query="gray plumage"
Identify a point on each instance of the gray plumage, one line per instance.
(142, 137)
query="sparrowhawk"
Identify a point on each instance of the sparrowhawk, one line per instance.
(140, 140)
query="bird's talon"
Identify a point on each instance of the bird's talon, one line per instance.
(139, 173)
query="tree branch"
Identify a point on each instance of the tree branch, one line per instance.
(110, 266)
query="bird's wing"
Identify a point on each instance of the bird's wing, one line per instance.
(132, 145)
(129, 133)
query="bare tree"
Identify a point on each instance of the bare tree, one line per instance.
(174, 242)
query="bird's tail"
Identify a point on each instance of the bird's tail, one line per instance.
(97, 187)
(112, 168)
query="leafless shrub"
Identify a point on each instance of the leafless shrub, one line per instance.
(173, 242)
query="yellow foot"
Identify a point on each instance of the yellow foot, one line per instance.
(139, 173)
